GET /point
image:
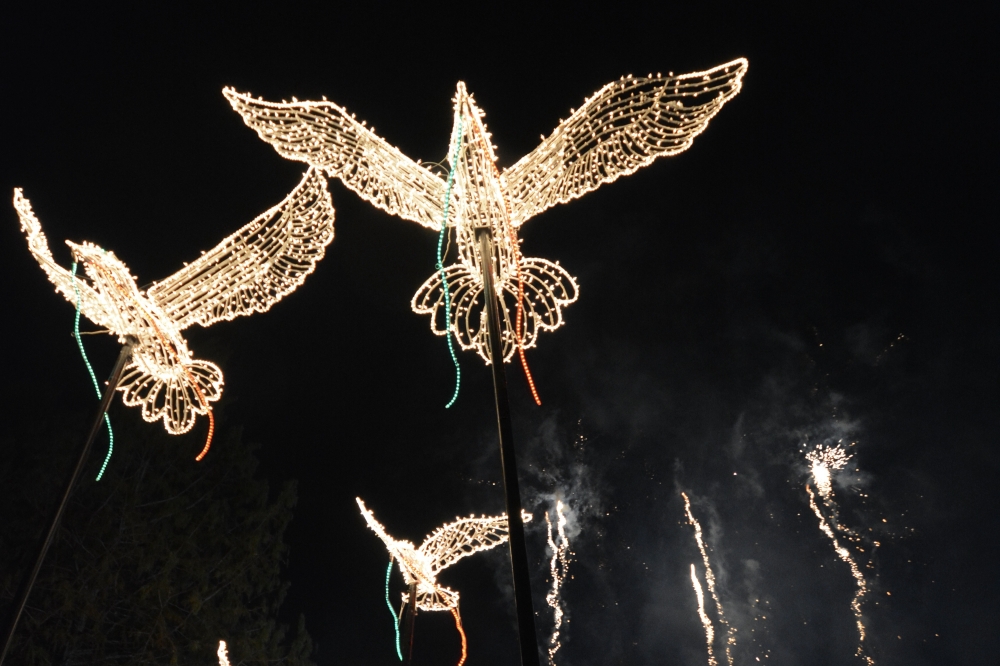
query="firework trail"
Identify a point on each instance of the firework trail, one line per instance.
(223, 655)
(710, 580)
(825, 459)
(707, 623)
(558, 567)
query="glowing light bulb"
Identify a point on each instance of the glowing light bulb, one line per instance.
(248, 272)
(623, 127)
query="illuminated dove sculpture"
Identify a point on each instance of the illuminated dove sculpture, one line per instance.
(624, 126)
(247, 272)
(442, 548)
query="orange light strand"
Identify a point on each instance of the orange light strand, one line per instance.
(211, 427)
(170, 348)
(458, 625)
(519, 322)
(520, 313)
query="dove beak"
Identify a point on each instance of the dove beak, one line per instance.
(83, 252)
(78, 251)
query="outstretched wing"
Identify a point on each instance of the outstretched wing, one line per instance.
(376, 527)
(624, 126)
(258, 265)
(324, 135)
(66, 284)
(411, 564)
(466, 536)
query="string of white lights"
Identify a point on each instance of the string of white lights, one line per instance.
(247, 272)
(624, 126)
(442, 548)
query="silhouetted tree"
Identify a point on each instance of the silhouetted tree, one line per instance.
(155, 563)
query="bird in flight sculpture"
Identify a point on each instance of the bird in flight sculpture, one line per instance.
(441, 549)
(624, 126)
(247, 272)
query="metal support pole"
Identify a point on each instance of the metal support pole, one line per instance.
(109, 393)
(518, 553)
(411, 620)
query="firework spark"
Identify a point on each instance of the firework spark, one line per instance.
(710, 580)
(558, 567)
(825, 459)
(705, 621)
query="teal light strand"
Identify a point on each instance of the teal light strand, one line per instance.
(440, 265)
(93, 377)
(395, 624)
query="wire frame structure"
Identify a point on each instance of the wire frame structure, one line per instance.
(247, 272)
(621, 128)
(441, 549)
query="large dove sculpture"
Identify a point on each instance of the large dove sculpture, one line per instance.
(247, 272)
(622, 127)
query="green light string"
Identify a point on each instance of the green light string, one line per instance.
(440, 264)
(90, 369)
(399, 653)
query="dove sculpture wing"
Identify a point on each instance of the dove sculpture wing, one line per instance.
(461, 538)
(66, 283)
(326, 136)
(376, 527)
(624, 126)
(255, 267)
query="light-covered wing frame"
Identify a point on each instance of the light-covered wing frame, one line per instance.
(461, 538)
(326, 136)
(66, 284)
(255, 267)
(623, 127)
(375, 525)
(409, 559)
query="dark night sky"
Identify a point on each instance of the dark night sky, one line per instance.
(820, 265)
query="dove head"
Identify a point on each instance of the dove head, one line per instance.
(469, 119)
(413, 563)
(108, 274)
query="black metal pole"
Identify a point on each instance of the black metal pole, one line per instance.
(411, 620)
(109, 393)
(527, 637)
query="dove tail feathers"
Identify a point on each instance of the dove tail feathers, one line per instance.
(177, 397)
(547, 289)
